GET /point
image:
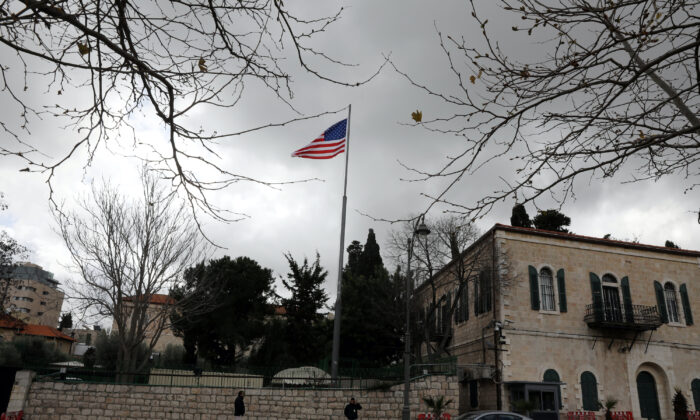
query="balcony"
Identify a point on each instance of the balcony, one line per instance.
(639, 318)
(437, 334)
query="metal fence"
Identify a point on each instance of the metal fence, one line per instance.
(248, 376)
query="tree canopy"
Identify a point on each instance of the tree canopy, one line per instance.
(607, 88)
(520, 218)
(371, 320)
(552, 220)
(237, 293)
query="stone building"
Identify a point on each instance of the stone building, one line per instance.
(33, 295)
(159, 307)
(556, 322)
(12, 328)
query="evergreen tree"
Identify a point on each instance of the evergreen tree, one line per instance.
(670, 244)
(354, 257)
(552, 220)
(307, 335)
(237, 305)
(66, 321)
(371, 318)
(519, 217)
(370, 260)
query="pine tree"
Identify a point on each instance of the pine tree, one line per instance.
(519, 217)
(307, 334)
(552, 220)
(370, 260)
(371, 320)
(354, 257)
(66, 321)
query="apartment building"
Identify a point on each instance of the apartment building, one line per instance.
(550, 322)
(34, 295)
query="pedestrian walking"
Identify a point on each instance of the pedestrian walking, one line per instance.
(351, 409)
(239, 406)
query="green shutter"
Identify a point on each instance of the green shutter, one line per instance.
(686, 305)
(661, 302)
(488, 290)
(695, 387)
(589, 392)
(627, 299)
(458, 307)
(477, 289)
(448, 305)
(534, 288)
(561, 284)
(465, 301)
(597, 293)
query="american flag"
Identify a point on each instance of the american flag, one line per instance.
(327, 145)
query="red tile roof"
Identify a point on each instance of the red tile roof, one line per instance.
(156, 299)
(280, 310)
(44, 331)
(8, 322)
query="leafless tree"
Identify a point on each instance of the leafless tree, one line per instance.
(10, 251)
(126, 251)
(610, 86)
(166, 60)
(441, 251)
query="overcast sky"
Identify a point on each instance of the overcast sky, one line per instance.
(305, 218)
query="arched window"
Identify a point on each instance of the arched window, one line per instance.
(551, 375)
(609, 278)
(547, 289)
(695, 387)
(671, 303)
(589, 391)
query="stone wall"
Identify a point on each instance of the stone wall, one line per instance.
(75, 401)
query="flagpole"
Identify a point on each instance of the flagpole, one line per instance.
(338, 302)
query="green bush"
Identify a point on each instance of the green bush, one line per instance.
(172, 357)
(107, 350)
(35, 351)
(9, 356)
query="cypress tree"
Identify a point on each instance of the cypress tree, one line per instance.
(519, 217)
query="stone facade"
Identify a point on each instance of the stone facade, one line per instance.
(74, 401)
(537, 340)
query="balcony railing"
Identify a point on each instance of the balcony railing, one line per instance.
(639, 318)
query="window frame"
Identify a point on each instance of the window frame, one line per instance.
(554, 290)
(670, 288)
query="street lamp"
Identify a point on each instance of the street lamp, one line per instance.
(420, 229)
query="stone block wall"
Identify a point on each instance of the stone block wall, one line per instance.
(76, 401)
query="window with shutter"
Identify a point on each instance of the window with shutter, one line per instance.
(627, 299)
(597, 294)
(589, 391)
(686, 310)
(534, 288)
(561, 285)
(695, 387)
(661, 302)
(546, 289)
(671, 302)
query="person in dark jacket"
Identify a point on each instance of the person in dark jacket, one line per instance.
(351, 409)
(239, 406)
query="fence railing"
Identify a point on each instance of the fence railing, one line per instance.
(304, 377)
(634, 317)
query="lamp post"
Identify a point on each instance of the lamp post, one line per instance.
(420, 229)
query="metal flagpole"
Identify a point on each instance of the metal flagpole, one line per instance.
(338, 305)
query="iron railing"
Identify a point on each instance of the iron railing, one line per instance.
(636, 317)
